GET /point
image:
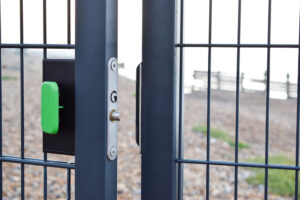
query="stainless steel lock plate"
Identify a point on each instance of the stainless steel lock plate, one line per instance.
(113, 115)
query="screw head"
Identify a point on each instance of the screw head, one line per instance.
(113, 153)
(113, 63)
(114, 66)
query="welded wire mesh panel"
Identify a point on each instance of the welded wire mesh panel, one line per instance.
(213, 165)
(22, 50)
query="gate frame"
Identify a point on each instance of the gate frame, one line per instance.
(160, 101)
(96, 42)
(162, 126)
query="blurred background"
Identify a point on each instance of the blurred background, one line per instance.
(254, 30)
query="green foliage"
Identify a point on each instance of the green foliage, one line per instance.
(221, 135)
(7, 78)
(281, 182)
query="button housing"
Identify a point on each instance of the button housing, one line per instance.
(61, 71)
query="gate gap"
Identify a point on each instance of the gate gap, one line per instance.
(32, 95)
(195, 102)
(222, 182)
(252, 103)
(11, 101)
(33, 182)
(11, 181)
(33, 22)
(283, 103)
(194, 182)
(223, 104)
(10, 21)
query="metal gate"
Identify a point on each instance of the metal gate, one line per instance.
(96, 42)
(163, 99)
(22, 160)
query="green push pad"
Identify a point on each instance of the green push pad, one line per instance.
(50, 107)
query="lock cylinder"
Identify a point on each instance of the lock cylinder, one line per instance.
(114, 116)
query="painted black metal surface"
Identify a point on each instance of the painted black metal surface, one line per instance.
(96, 43)
(62, 72)
(159, 99)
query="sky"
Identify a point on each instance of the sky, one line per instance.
(285, 30)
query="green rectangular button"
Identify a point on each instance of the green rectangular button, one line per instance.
(50, 107)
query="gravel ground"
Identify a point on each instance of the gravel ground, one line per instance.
(252, 132)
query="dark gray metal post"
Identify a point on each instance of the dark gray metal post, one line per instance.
(96, 42)
(159, 99)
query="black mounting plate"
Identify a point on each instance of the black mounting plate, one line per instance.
(62, 72)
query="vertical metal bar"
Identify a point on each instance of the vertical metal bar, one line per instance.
(22, 98)
(45, 26)
(1, 169)
(45, 178)
(69, 21)
(96, 42)
(298, 126)
(45, 182)
(69, 184)
(208, 101)
(268, 99)
(22, 124)
(181, 105)
(237, 104)
(159, 101)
